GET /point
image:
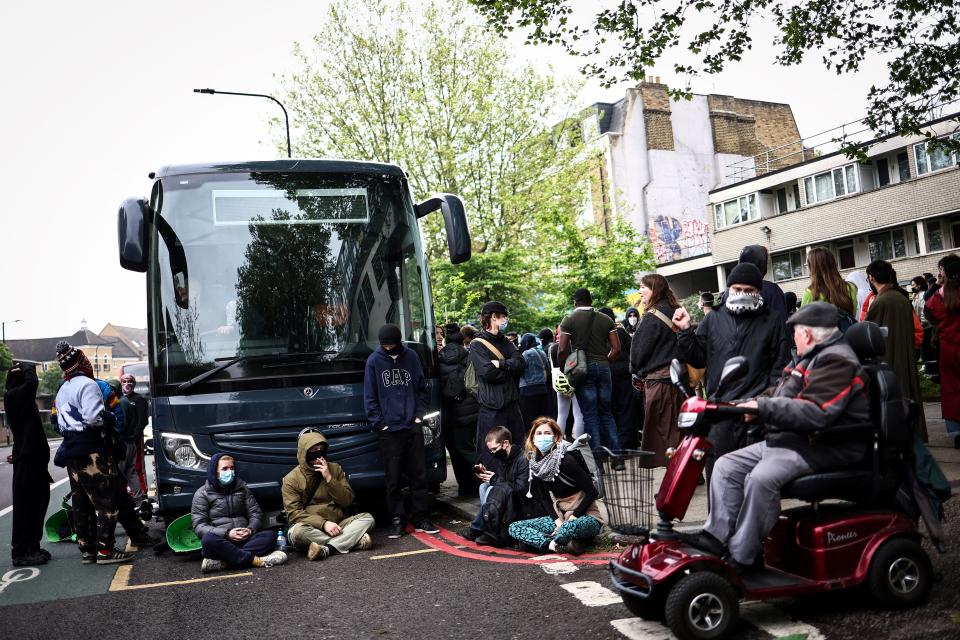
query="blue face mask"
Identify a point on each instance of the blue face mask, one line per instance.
(225, 476)
(543, 442)
(503, 325)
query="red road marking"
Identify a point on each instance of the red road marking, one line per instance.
(474, 551)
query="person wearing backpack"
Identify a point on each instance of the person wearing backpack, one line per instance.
(459, 414)
(588, 334)
(561, 473)
(495, 368)
(533, 383)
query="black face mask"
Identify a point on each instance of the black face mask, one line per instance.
(313, 456)
(392, 352)
(501, 454)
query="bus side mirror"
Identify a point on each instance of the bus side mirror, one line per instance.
(132, 234)
(454, 221)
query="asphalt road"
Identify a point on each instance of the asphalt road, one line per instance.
(6, 473)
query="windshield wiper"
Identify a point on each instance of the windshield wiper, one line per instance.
(209, 374)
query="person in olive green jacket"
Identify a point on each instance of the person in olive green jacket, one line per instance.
(315, 493)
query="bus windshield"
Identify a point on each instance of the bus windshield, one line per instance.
(301, 268)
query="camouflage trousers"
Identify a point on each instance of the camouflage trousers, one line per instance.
(93, 482)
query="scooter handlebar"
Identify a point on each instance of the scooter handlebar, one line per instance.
(737, 411)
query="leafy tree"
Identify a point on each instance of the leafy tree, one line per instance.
(6, 360)
(50, 380)
(440, 95)
(918, 38)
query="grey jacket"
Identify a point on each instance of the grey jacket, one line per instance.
(827, 386)
(217, 512)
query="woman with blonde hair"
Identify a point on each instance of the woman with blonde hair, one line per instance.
(827, 285)
(561, 473)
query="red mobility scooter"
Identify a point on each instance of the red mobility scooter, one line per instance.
(864, 538)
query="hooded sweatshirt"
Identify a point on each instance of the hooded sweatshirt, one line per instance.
(216, 509)
(772, 294)
(79, 420)
(20, 403)
(394, 390)
(307, 497)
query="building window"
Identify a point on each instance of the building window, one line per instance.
(781, 200)
(935, 161)
(846, 256)
(825, 186)
(788, 265)
(903, 166)
(883, 172)
(106, 363)
(736, 211)
(796, 195)
(934, 236)
(887, 245)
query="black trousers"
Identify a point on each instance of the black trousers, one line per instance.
(458, 438)
(403, 455)
(623, 405)
(533, 406)
(127, 514)
(31, 495)
(509, 417)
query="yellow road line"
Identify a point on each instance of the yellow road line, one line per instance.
(405, 553)
(121, 580)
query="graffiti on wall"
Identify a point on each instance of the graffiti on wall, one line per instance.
(675, 239)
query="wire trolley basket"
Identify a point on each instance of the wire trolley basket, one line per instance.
(628, 490)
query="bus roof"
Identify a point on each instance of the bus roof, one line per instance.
(286, 165)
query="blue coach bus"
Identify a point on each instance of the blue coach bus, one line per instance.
(266, 285)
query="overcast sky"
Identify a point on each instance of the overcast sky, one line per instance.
(97, 95)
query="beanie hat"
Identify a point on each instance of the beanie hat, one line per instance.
(68, 356)
(746, 273)
(494, 307)
(390, 334)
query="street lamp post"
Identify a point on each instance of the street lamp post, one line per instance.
(3, 328)
(255, 95)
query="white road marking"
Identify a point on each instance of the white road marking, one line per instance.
(591, 593)
(558, 568)
(768, 618)
(56, 484)
(640, 629)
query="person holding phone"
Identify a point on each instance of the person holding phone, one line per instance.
(228, 521)
(315, 495)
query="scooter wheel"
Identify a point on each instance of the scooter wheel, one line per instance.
(900, 574)
(702, 606)
(647, 608)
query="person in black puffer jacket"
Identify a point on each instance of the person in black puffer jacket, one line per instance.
(31, 454)
(459, 414)
(498, 394)
(228, 521)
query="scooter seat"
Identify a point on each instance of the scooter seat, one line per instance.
(836, 485)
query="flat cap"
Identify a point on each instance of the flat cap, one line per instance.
(816, 314)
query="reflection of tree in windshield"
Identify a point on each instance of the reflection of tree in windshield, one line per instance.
(287, 273)
(188, 336)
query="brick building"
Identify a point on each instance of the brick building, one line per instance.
(901, 205)
(107, 353)
(660, 158)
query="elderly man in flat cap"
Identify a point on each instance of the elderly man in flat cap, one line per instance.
(823, 386)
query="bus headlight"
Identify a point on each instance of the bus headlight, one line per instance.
(181, 451)
(431, 428)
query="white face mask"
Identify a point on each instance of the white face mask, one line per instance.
(632, 320)
(738, 303)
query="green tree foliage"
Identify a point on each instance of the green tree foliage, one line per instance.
(435, 92)
(6, 360)
(50, 380)
(703, 37)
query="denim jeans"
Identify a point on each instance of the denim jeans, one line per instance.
(593, 395)
(478, 521)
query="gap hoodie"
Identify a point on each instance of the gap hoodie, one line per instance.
(394, 390)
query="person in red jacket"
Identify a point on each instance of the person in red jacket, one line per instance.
(943, 310)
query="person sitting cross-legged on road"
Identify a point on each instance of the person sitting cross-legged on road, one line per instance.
(227, 519)
(823, 386)
(576, 511)
(315, 493)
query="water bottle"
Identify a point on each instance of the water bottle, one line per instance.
(281, 540)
